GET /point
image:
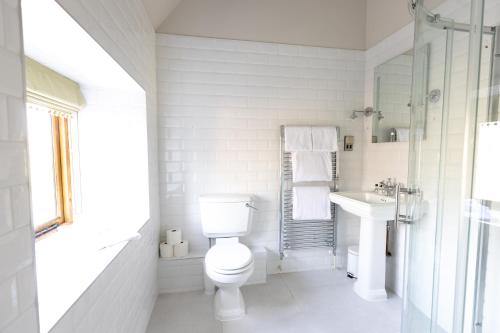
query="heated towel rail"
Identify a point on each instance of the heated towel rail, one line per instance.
(305, 234)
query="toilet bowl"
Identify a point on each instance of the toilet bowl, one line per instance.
(229, 265)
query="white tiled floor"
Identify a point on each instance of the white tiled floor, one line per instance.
(315, 301)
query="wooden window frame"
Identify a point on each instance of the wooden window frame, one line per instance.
(62, 176)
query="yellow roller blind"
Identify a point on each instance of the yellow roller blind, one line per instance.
(47, 87)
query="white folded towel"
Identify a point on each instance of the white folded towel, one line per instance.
(311, 166)
(298, 138)
(311, 203)
(402, 134)
(324, 138)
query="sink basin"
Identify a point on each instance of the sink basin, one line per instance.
(366, 204)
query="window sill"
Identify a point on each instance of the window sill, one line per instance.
(67, 263)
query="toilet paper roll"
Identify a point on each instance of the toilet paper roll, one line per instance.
(166, 250)
(181, 249)
(174, 236)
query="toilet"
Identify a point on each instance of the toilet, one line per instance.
(228, 263)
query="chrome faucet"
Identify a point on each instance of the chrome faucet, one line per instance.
(386, 187)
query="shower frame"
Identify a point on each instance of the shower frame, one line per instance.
(473, 241)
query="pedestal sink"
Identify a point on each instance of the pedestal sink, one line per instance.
(374, 210)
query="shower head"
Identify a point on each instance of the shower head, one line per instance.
(354, 115)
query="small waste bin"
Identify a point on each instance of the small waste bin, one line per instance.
(352, 261)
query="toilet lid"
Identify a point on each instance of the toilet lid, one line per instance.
(228, 257)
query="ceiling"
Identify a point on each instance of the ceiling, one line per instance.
(158, 10)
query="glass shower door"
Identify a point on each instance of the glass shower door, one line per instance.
(445, 111)
(431, 72)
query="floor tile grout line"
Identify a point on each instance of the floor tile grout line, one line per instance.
(288, 288)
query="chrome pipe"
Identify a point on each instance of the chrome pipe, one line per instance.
(396, 214)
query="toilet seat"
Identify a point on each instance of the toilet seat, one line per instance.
(229, 259)
(230, 272)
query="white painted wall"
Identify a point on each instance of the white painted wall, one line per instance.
(158, 11)
(221, 104)
(386, 17)
(18, 312)
(312, 22)
(330, 23)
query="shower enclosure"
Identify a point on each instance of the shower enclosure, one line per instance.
(452, 207)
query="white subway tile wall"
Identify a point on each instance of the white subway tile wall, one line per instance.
(122, 297)
(17, 276)
(181, 275)
(131, 279)
(221, 104)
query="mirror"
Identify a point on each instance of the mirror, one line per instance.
(392, 91)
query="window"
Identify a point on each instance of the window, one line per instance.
(52, 99)
(50, 168)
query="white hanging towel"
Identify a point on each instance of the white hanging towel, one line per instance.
(324, 138)
(311, 166)
(487, 177)
(298, 138)
(311, 203)
(402, 134)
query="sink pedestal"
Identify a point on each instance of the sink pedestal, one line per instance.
(370, 284)
(374, 210)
